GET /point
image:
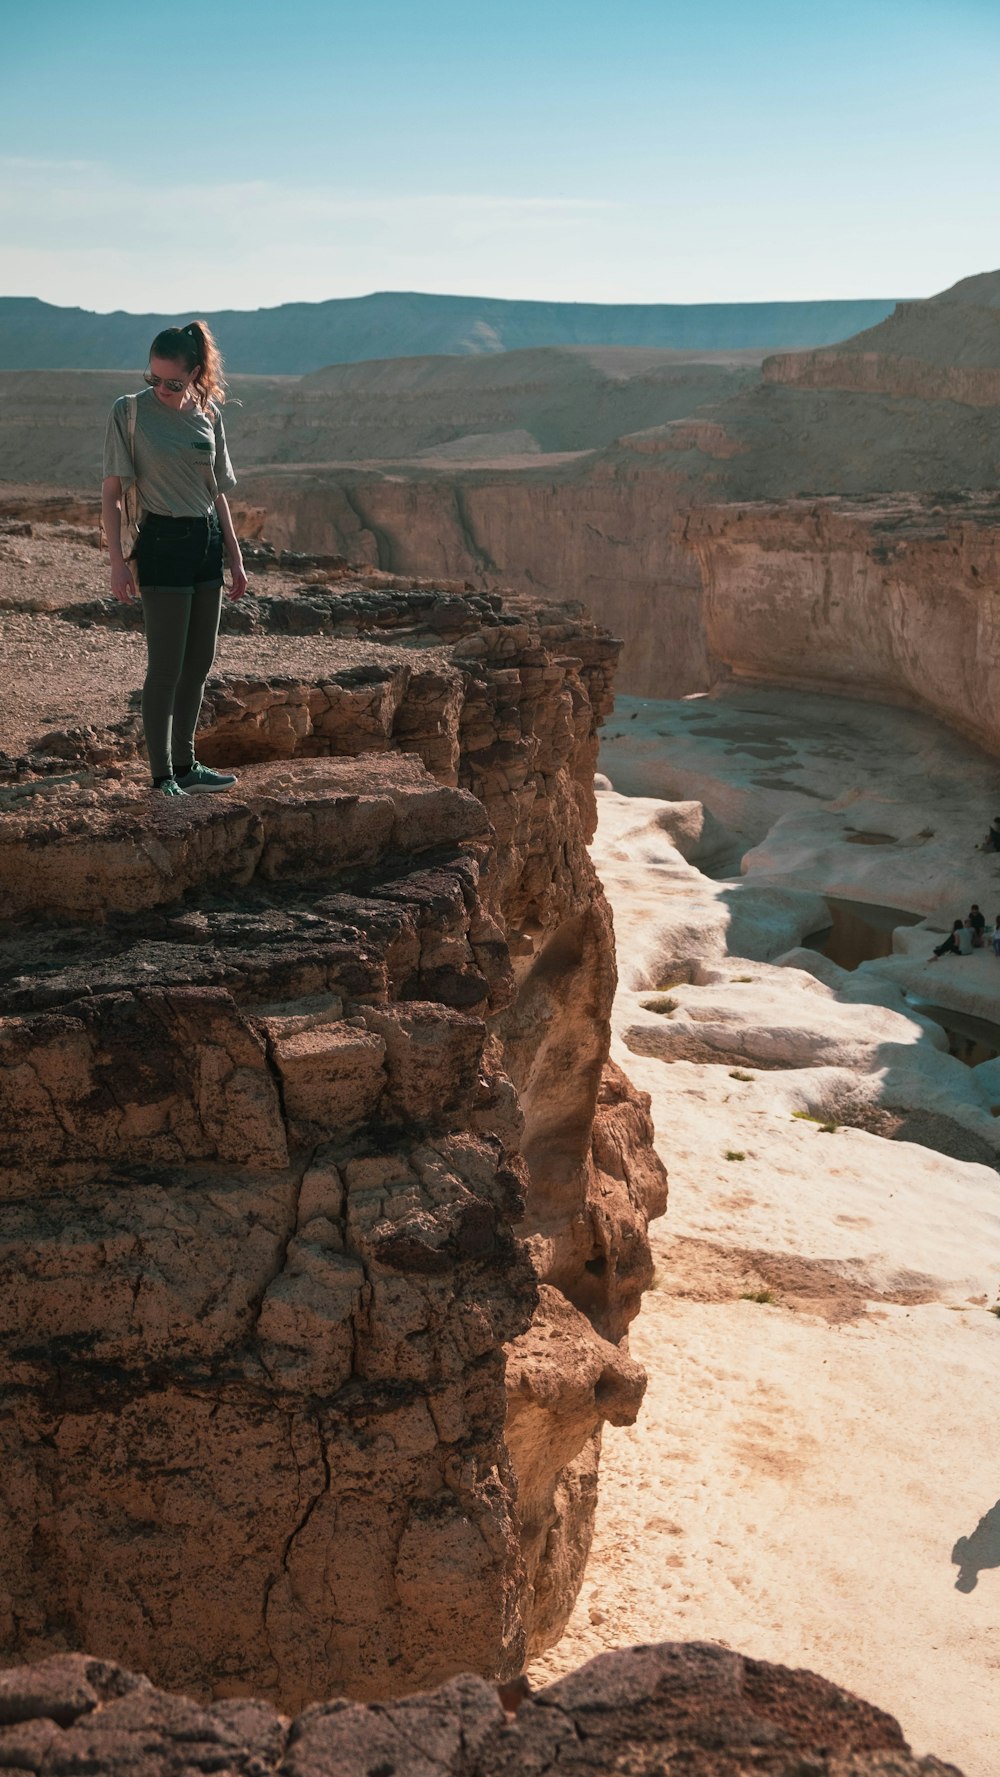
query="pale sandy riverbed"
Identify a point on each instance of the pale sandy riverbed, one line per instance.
(803, 1468)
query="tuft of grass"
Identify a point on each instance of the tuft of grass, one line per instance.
(763, 1296)
(739, 978)
(826, 1125)
(737, 1073)
(735, 1154)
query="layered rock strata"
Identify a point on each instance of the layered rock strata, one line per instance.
(892, 599)
(645, 1710)
(305, 1117)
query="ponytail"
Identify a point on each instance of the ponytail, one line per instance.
(194, 345)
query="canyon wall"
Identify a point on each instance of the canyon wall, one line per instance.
(608, 537)
(888, 373)
(323, 1213)
(893, 600)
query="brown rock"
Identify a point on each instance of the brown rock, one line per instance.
(289, 1095)
(642, 1710)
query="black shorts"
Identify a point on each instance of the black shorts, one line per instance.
(179, 551)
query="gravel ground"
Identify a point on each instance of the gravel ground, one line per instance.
(56, 675)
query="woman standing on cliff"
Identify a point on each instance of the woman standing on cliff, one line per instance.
(167, 447)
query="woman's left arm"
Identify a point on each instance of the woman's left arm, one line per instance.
(231, 545)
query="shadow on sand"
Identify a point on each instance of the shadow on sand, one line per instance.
(982, 1549)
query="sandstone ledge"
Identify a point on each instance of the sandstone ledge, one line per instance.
(688, 1707)
(305, 1119)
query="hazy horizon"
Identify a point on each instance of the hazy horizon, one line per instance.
(466, 296)
(241, 159)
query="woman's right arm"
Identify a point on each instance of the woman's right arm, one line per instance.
(122, 583)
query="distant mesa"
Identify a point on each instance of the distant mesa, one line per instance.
(944, 349)
(298, 337)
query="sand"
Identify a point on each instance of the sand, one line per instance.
(819, 1432)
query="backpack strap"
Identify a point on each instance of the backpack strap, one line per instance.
(131, 514)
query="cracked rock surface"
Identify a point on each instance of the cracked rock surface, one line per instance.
(310, 1158)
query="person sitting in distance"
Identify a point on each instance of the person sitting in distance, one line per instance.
(957, 943)
(977, 921)
(995, 937)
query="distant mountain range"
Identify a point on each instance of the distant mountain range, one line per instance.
(299, 337)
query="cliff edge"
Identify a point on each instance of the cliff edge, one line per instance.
(323, 1214)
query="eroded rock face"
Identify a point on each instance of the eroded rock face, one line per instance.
(278, 1107)
(686, 1706)
(889, 599)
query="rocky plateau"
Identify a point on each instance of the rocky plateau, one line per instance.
(324, 1212)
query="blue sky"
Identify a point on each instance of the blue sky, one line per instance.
(645, 151)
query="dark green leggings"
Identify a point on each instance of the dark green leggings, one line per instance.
(182, 629)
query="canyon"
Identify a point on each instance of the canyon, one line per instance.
(358, 1037)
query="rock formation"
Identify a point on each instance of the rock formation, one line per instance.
(305, 1116)
(577, 480)
(694, 1706)
(888, 599)
(903, 412)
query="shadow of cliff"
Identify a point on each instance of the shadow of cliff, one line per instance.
(982, 1549)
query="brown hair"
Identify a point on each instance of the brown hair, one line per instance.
(194, 345)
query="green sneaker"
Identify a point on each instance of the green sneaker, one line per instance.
(169, 787)
(200, 778)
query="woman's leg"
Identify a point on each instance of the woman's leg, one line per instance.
(166, 612)
(199, 653)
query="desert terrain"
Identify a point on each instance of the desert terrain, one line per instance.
(798, 556)
(814, 1474)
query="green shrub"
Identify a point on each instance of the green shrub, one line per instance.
(826, 1125)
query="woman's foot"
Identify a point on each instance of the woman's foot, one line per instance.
(200, 777)
(168, 786)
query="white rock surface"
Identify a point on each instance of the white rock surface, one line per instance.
(806, 1465)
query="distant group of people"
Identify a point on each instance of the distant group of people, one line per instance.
(969, 934)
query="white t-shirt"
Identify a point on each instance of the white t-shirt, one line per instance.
(181, 460)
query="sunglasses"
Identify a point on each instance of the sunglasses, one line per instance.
(170, 383)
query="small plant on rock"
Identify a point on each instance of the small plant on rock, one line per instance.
(737, 1073)
(826, 1125)
(763, 1296)
(735, 1154)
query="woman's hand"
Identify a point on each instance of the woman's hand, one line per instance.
(238, 578)
(122, 583)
